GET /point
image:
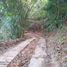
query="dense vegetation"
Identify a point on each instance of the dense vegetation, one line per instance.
(13, 13)
(53, 13)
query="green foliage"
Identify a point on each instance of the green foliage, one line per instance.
(56, 13)
(36, 11)
(12, 14)
(54, 10)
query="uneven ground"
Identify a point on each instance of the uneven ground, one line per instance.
(57, 47)
(29, 51)
(8, 44)
(56, 50)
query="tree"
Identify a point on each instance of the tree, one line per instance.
(55, 11)
(12, 14)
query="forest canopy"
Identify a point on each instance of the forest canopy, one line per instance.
(13, 13)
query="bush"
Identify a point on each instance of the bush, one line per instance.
(12, 14)
(54, 10)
